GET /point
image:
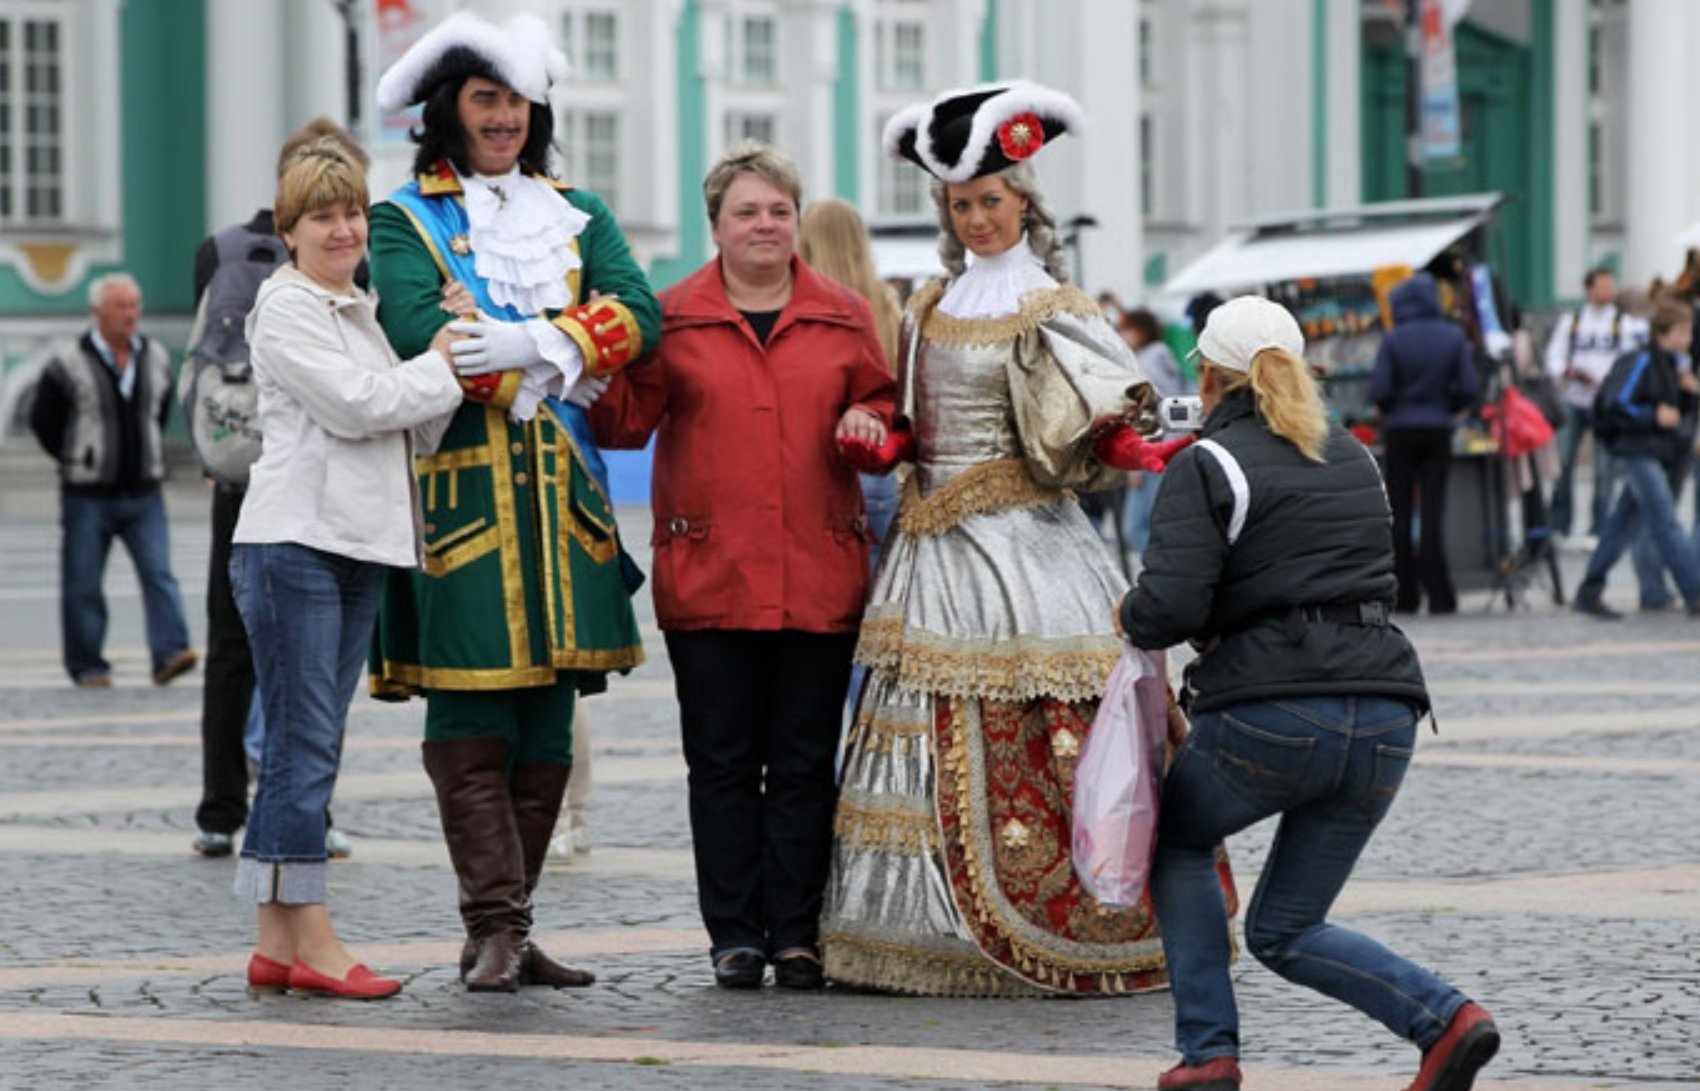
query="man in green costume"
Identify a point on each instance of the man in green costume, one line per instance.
(521, 604)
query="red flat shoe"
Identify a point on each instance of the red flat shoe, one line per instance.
(360, 984)
(267, 975)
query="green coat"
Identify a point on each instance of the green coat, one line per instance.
(523, 568)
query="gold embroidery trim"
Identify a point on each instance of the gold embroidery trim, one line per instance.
(446, 561)
(1001, 485)
(884, 830)
(1036, 307)
(1040, 966)
(507, 519)
(464, 459)
(901, 968)
(1009, 670)
(457, 534)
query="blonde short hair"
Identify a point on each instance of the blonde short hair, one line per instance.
(320, 174)
(751, 157)
(313, 131)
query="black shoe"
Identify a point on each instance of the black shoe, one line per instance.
(1693, 609)
(799, 969)
(739, 968)
(1597, 608)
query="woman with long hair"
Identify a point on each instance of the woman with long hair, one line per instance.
(987, 636)
(1270, 550)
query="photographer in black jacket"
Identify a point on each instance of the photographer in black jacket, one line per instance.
(1271, 551)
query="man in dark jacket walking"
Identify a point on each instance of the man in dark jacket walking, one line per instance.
(1423, 379)
(1639, 422)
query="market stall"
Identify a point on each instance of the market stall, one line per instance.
(1332, 268)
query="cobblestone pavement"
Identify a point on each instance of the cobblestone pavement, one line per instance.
(1543, 856)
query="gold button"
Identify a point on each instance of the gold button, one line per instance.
(518, 449)
(520, 478)
(430, 528)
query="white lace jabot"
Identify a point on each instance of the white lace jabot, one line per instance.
(521, 233)
(992, 287)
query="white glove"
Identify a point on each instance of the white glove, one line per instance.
(493, 346)
(585, 392)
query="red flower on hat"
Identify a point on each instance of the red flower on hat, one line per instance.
(1021, 136)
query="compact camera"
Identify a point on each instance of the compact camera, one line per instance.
(1182, 413)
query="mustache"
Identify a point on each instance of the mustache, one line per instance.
(499, 130)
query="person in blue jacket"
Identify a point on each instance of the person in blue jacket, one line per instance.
(1423, 380)
(1639, 420)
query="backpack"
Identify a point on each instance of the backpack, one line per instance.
(216, 386)
(1612, 409)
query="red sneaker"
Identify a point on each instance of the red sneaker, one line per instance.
(1216, 1074)
(1451, 1064)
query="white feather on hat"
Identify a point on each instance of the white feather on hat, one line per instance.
(1002, 102)
(518, 51)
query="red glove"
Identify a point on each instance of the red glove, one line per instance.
(899, 446)
(1126, 449)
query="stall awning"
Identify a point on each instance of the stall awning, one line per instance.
(906, 248)
(1333, 243)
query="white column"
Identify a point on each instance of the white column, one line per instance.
(1345, 49)
(245, 107)
(808, 63)
(1570, 216)
(1660, 43)
(1219, 93)
(317, 81)
(1096, 62)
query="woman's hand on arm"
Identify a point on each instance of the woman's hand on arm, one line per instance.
(858, 425)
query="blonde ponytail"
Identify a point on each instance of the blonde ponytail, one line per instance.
(1287, 399)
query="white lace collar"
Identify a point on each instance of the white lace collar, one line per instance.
(992, 287)
(521, 233)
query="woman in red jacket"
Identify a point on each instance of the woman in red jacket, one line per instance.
(761, 562)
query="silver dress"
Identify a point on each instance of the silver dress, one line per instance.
(988, 638)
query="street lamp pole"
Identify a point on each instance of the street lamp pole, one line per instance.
(351, 59)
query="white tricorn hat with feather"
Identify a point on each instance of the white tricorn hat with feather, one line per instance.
(962, 135)
(516, 54)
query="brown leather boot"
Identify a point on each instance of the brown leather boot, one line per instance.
(538, 789)
(473, 800)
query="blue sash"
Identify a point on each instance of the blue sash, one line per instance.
(442, 219)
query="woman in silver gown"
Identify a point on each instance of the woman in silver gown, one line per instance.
(987, 636)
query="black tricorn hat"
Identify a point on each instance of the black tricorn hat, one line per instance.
(963, 135)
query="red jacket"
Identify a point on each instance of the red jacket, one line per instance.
(758, 520)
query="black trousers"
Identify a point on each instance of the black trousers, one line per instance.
(761, 714)
(1418, 460)
(229, 684)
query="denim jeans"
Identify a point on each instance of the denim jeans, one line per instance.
(1136, 511)
(1650, 566)
(879, 497)
(1330, 767)
(89, 524)
(309, 616)
(1646, 502)
(1579, 422)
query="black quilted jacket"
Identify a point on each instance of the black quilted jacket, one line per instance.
(1314, 535)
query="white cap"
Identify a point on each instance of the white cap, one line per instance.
(1243, 327)
(518, 53)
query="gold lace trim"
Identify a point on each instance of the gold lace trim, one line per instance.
(1041, 966)
(1014, 670)
(886, 831)
(1000, 485)
(899, 968)
(1036, 307)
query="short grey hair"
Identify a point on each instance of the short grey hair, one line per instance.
(99, 285)
(751, 157)
(1038, 221)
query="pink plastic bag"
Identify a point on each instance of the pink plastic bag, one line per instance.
(1119, 780)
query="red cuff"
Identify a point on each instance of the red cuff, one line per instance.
(899, 446)
(1125, 449)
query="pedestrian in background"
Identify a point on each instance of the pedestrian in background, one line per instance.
(1580, 351)
(1422, 382)
(100, 409)
(833, 241)
(227, 701)
(1304, 704)
(761, 553)
(330, 505)
(1144, 335)
(1641, 425)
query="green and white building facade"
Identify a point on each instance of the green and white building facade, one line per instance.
(130, 128)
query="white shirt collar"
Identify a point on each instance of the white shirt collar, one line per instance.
(992, 287)
(522, 235)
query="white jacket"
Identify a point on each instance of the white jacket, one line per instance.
(336, 405)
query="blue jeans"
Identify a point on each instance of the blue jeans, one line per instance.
(1579, 422)
(1330, 767)
(1650, 566)
(879, 496)
(1136, 511)
(309, 616)
(89, 524)
(1646, 502)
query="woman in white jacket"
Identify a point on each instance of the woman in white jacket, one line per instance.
(331, 501)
